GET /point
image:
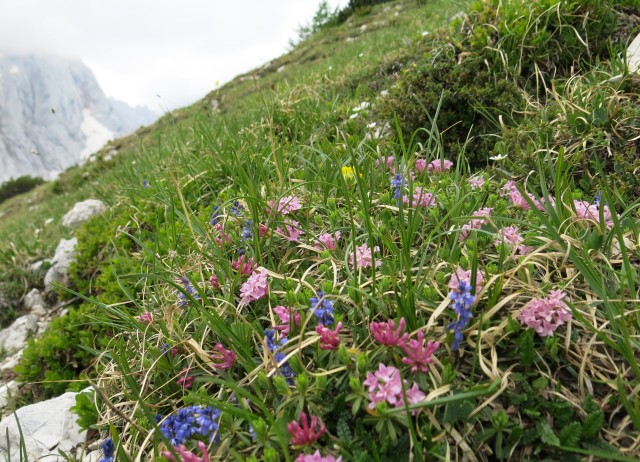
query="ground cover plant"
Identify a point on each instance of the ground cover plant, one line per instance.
(305, 277)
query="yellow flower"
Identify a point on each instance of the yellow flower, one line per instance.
(349, 174)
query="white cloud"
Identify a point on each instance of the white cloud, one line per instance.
(143, 48)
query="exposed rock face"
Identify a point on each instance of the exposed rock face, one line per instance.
(48, 426)
(82, 211)
(53, 114)
(65, 254)
(14, 337)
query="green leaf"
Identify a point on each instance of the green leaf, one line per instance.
(593, 424)
(526, 348)
(458, 411)
(570, 435)
(600, 116)
(546, 434)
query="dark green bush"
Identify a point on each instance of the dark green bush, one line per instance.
(17, 186)
(470, 96)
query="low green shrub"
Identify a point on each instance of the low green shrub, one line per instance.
(17, 186)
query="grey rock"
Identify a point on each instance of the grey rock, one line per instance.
(7, 391)
(53, 114)
(633, 55)
(47, 427)
(14, 337)
(82, 211)
(65, 254)
(33, 299)
(8, 363)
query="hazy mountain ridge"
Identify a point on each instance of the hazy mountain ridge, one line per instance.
(53, 114)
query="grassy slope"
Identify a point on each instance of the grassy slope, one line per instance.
(507, 393)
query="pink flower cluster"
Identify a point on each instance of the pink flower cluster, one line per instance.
(305, 432)
(317, 457)
(364, 257)
(476, 182)
(329, 339)
(222, 237)
(588, 211)
(185, 379)
(146, 317)
(287, 204)
(245, 267)
(286, 322)
(545, 315)
(223, 358)
(418, 354)
(387, 161)
(420, 198)
(511, 237)
(475, 223)
(291, 230)
(328, 240)
(464, 276)
(386, 386)
(438, 166)
(188, 456)
(518, 200)
(255, 288)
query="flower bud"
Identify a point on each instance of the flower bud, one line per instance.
(302, 383)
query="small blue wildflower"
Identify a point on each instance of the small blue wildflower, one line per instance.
(252, 433)
(273, 346)
(323, 308)
(398, 183)
(190, 290)
(215, 215)
(236, 209)
(146, 184)
(597, 199)
(108, 449)
(247, 230)
(191, 421)
(461, 302)
(241, 251)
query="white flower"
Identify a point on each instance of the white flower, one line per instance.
(499, 157)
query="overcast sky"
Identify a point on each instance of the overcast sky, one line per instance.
(159, 53)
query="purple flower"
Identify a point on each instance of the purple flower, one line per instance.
(191, 421)
(108, 451)
(223, 358)
(329, 339)
(461, 302)
(419, 354)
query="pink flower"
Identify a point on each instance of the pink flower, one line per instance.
(421, 164)
(420, 198)
(545, 315)
(262, 230)
(476, 223)
(223, 358)
(255, 288)
(317, 457)
(415, 395)
(509, 235)
(306, 433)
(287, 204)
(384, 385)
(464, 276)
(222, 238)
(146, 317)
(328, 241)
(245, 267)
(188, 456)
(387, 161)
(185, 379)
(292, 231)
(419, 354)
(364, 257)
(284, 313)
(387, 334)
(329, 339)
(476, 182)
(438, 166)
(215, 283)
(588, 211)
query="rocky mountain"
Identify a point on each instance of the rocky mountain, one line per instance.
(53, 114)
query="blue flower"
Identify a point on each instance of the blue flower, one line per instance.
(273, 346)
(146, 184)
(461, 302)
(189, 289)
(108, 449)
(247, 230)
(398, 183)
(215, 215)
(191, 421)
(236, 209)
(323, 308)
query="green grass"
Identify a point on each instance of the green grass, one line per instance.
(507, 393)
